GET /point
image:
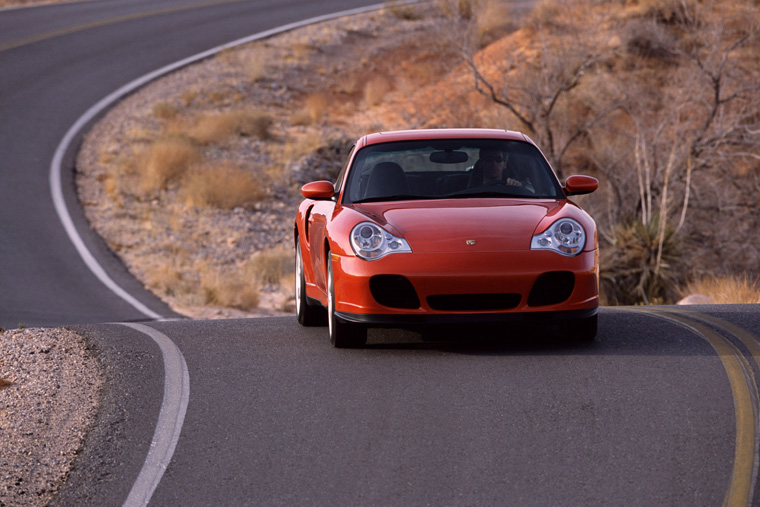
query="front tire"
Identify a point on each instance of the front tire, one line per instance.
(342, 335)
(308, 315)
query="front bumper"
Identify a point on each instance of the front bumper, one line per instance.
(466, 273)
(424, 320)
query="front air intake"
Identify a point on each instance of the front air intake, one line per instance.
(552, 288)
(394, 291)
(473, 302)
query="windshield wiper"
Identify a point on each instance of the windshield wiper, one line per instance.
(399, 197)
(468, 195)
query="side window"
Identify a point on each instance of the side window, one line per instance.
(342, 175)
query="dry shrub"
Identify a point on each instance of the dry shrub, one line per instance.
(189, 96)
(169, 280)
(224, 187)
(225, 97)
(629, 272)
(165, 161)
(228, 289)
(376, 89)
(255, 124)
(165, 111)
(214, 128)
(269, 268)
(112, 190)
(728, 290)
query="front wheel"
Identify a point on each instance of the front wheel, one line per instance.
(342, 335)
(308, 315)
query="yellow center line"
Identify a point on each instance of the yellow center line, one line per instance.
(110, 21)
(749, 340)
(745, 395)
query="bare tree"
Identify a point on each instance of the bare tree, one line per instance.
(537, 84)
(699, 132)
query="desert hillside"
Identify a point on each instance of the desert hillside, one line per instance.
(194, 180)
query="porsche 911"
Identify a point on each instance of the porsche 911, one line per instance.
(445, 226)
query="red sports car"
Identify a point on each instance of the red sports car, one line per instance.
(441, 227)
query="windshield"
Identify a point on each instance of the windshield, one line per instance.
(450, 169)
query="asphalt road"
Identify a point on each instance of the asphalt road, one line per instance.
(646, 415)
(661, 410)
(55, 63)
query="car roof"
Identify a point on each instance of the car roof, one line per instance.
(454, 133)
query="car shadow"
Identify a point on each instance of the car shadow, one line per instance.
(619, 334)
(480, 339)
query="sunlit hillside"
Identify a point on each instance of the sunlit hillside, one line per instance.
(658, 99)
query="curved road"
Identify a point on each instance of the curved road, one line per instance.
(661, 409)
(55, 63)
(650, 414)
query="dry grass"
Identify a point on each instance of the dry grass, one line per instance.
(270, 268)
(729, 290)
(189, 96)
(214, 128)
(165, 111)
(169, 280)
(165, 161)
(224, 97)
(223, 186)
(112, 190)
(229, 290)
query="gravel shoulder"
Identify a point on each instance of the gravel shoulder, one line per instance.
(50, 386)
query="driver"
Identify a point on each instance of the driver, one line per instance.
(491, 169)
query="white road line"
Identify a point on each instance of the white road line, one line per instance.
(176, 376)
(56, 189)
(170, 418)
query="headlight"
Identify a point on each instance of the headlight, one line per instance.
(565, 236)
(370, 242)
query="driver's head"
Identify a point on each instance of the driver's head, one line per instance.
(493, 163)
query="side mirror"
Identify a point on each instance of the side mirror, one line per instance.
(579, 185)
(318, 190)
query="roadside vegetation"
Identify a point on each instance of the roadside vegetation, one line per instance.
(658, 99)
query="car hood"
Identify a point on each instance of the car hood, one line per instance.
(453, 225)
